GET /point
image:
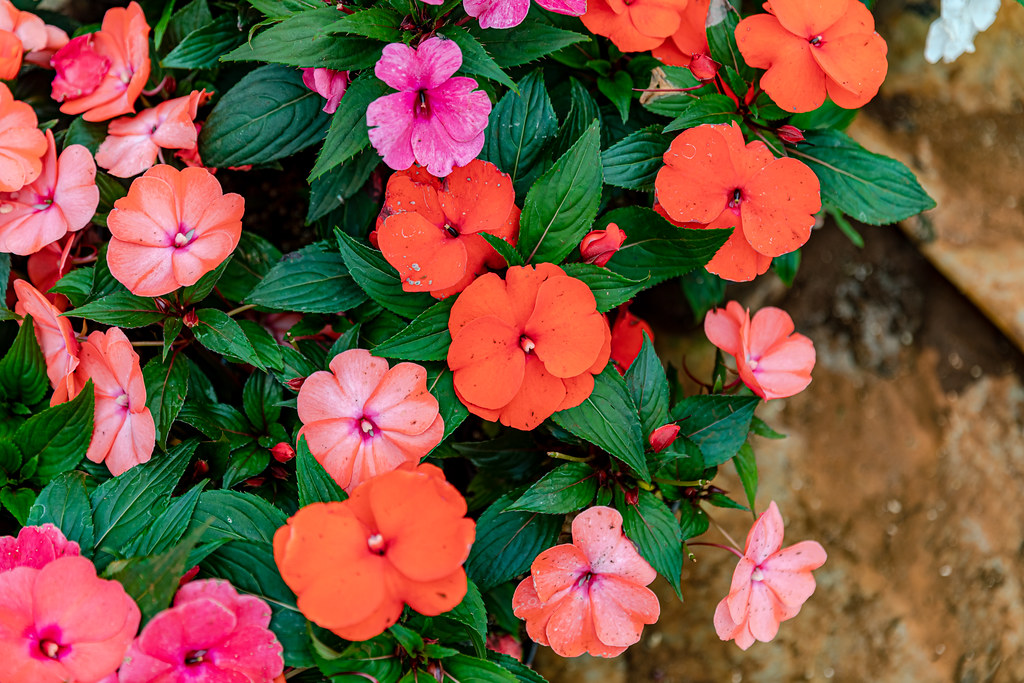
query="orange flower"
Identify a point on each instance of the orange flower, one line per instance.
(628, 338)
(172, 228)
(399, 540)
(56, 339)
(591, 595)
(22, 144)
(711, 180)
(810, 49)
(635, 26)
(101, 74)
(527, 346)
(428, 227)
(361, 418)
(690, 41)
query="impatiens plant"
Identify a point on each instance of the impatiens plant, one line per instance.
(425, 429)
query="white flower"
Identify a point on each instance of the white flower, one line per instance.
(952, 34)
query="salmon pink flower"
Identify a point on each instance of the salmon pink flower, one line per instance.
(399, 540)
(327, 83)
(20, 32)
(590, 595)
(598, 246)
(710, 179)
(527, 346)
(35, 546)
(22, 144)
(509, 13)
(434, 119)
(210, 634)
(133, 142)
(635, 26)
(101, 74)
(63, 623)
(628, 338)
(814, 49)
(429, 227)
(172, 228)
(62, 199)
(48, 265)
(770, 583)
(124, 435)
(772, 361)
(690, 40)
(361, 418)
(56, 339)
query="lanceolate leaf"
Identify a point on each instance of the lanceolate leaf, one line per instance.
(315, 485)
(220, 333)
(717, 424)
(166, 387)
(121, 309)
(475, 60)
(566, 488)
(65, 504)
(426, 337)
(655, 530)
(648, 386)
(634, 161)
(524, 43)
(58, 436)
(746, 467)
(311, 280)
(381, 23)
(378, 279)
(348, 133)
(610, 289)
(23, 369)
(711, 108)
(507, 542)
(202, 48)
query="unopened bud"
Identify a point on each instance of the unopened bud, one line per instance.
(188, 576)
(282, 452)
(190, 319)
(703, 67)
(253, 482)
(295, 383)
(599, 246)
(633, 496)
(790, 134)
(663, 436)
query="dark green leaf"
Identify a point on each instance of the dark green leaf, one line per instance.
(348, 134)
(220, 333)
(65, 504)
(717, 424)
(472, 612)
(462, 668)
(329, 191)
(610, 289)
(260, 397)
(193, 294)
(315, 485)
(121, 309)
(192, 16)
(504, 249)
(152, 581)
(58, 436)
(23, 368)
(703, 291)
(266, 347)
(522, 672)
(379, 280)
(708, 109)
(582, 112)
(166, 388)
(566, 488)
(746, 467)
(425, 338)
(252, 259)
(634, 161)
(311, 280)
(656, 533)
(282, 9)
(722, 41)
(828, 115)
(235, 516)
(761, 428)
(518, 130)
(475, 60)
(648, 387)
(786, 266)
(89, 135)
(218, 421)
(507, 542)
(619, 91)
(439, 383)
(169, 527)
(693, 521)
(76, 286)
(530, 40)
(18, 502)
(381, 23)
(203, 47)
(245, 462)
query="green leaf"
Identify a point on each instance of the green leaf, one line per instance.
(440, 384)
(656, 533)
(311, 280)
(583, 111)
(746, 468)
(329, 191)
(267, 115)
(23, 368)
(192, 16)
(619, 91)
(125, 505)
(65, 504)
(380, 23)
(610, 289)
(648, 387)
(504, 249)
(518, 130)
(530, 40)
(245, 462)
(193, 294)
(462, 668)
(634, 161)
(203, 47)
(475, 60)
(252, 259)
(566, 488)
(703, 291)
(711, 108)
(379, 280)
(786, 266)
(76, 286)
(266, 347)
(472, 612)
(717, 424)
(166, 387)
(18, 502)
(609, 420)
(869, 187)
(507, 542)
(169, 527)
(152, 581)
(315, 485)
(348, 134)
(693, 521)
(121, 309)
(828, 115)
(234, 516)
(89, 135)
(221, 334)
(761, 428)
(260, 397)
(655, 248)
(282, 9)
(218, 421)
(425, 338)
(722, 40)
(562, 204)
(58, 436)
(522, 672)
(161, 24)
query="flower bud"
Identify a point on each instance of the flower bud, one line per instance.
(190, 319)
(80, 69)
(600, 245)
(328, 83)
(663, 436)
(632, 496)
(295, 383)
(188, 576)
(790, 134)
(703, 67)
(282, 452)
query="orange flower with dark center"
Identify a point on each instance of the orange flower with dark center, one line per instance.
(527, 346)
(399, 540)
(810, 49)
(711, 179)
(428, 228)
(634, 25)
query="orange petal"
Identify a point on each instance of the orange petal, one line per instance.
(698, 179)
(566, 327)
(778, 207)
(538, 397)
(424, 255)
(487, 362)
(477, 198)
(855, 66)
(577, 390)
(435, 597)
(557, 569)
(808, 18)
(486, 296)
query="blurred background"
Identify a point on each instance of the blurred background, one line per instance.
(905, 456)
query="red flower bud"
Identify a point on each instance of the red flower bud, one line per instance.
(200, 469)
(295, 383)
(633, 496)
(790, 134)
(600, 245)
(663, 436)
(703, 67)
(628, 338)
(254, 481)
(190, 319)
(188, 576)
(282, 452)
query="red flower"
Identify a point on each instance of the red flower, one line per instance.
(712, 180)
(399, 540)
(810, 49)
(628, 338)
(598, 246)
(527, 346)
(635, 26)
(428, 227)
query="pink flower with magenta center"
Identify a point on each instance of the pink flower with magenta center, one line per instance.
(35, 546)
(435, 120)
(770, 583)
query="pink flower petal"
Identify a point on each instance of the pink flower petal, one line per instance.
(557, 569)
(500, 13)
(621, 608)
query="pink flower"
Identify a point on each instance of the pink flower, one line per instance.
(35, 546)
(509, 13)
(435, 120)
(362, 419)
(124, 435)
(62, 199)
(63, 623)
(591, 595)
(172, 228)
(133, 142)
(769, 585)
(56, 339)
(22, 144)
(772, 361)
(20, 32)
(598, 246)
(50, 264)
(327, 83)
(210, 634)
